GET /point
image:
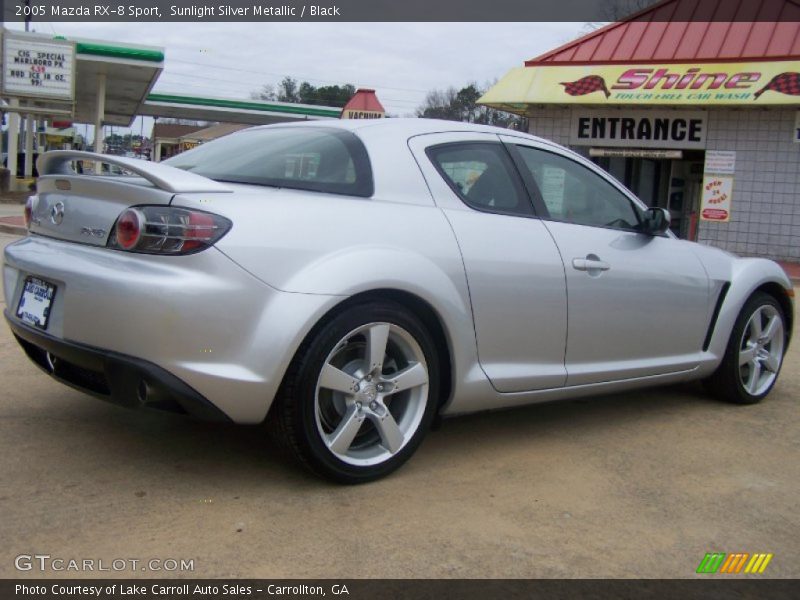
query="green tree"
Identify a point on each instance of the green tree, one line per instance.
(307, 94)
(440, 104)
(462, 105)
(334, 95)
(266, 93)
(287, 90)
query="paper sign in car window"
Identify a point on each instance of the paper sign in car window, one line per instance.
(552, 189)
(464, 174)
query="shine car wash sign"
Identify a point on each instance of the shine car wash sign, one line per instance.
(38, 68)
(638, 129)
(749, 83)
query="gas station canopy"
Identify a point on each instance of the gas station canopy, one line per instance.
(130, 73)
(252, 112)
(111, 84)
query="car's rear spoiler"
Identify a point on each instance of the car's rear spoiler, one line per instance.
(169, 179)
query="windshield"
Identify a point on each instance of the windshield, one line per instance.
(306, 158)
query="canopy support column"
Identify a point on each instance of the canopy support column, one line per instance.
(100, 111)
(29, 146)
(13, 144)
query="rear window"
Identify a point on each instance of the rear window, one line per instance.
(304, 158)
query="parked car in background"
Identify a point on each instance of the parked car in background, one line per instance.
(346, 282)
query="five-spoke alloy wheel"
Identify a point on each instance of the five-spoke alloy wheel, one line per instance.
(761, 350)
(754, 354)
(371, 393)
(360, 394)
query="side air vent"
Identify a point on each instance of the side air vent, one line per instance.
(720, 299)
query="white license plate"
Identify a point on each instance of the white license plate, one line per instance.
(34, 304)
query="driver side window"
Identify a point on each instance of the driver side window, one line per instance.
(574, 194)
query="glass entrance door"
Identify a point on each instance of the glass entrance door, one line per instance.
(685, 183)
(664, 183)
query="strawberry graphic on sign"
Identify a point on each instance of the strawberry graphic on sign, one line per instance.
(586, 85)
(785, 83)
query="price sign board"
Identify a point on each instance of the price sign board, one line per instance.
(38, 67)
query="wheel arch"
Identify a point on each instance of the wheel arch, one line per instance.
(748, 277)
(415, 304)
(777, 291)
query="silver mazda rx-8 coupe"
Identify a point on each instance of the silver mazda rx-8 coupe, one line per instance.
(347, 283)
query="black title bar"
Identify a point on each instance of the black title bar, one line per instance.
(377, 10)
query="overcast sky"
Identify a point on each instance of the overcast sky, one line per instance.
(402, 61)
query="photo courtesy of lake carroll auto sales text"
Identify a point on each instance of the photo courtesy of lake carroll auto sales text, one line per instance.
(370, 299)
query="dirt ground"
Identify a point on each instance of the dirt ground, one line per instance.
(634, 485)
(14, 197)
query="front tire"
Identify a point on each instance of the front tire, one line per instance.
(360, 394)
(754, 354)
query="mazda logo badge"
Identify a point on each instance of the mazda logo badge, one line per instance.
(57, 213)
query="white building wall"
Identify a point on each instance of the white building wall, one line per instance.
(551, 123)
(765, 212)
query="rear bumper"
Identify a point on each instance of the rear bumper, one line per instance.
(117, 378)
(199, 318)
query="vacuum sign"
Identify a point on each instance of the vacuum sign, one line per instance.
(645, 129)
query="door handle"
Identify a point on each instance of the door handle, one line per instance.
(590, 263)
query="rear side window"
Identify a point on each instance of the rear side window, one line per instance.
(483, 175)
(305, 158)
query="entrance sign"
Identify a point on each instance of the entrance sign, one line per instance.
(709, 84)
(639, 129)
(37, 68)
(715, 201)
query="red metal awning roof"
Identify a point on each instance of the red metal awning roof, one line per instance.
(690, 31)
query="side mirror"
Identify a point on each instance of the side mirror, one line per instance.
(656, 221)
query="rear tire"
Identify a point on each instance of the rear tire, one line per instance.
(360, 394)
(754, 354)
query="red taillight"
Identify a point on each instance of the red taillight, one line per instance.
(167, 230)
(129, 228)
(200, 228)
(28, 211)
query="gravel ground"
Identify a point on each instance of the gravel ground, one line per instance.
(634, 485)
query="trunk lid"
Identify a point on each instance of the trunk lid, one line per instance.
(83, 207)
